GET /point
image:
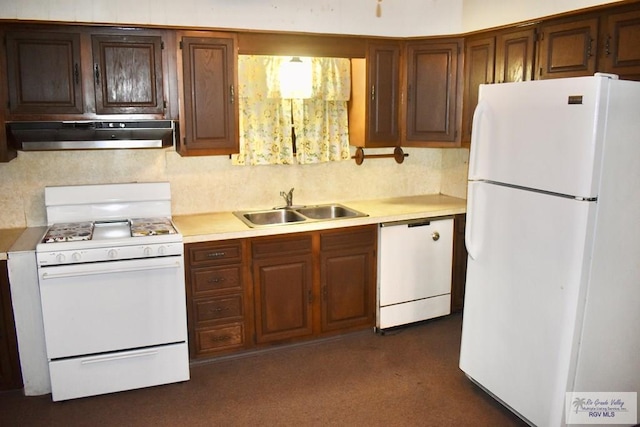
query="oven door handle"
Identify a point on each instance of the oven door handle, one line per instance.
(110, 358)
(47, 275)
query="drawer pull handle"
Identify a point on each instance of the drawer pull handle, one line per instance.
(221, 338)
(216, 280)
(219, 309)
(216, 254)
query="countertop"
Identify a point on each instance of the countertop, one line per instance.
(8, 237)
(224, 225)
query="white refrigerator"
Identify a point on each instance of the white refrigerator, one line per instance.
(552, 302)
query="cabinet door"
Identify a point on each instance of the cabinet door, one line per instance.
(478, 69)
(10, 374)
(432, 90)
(209, 97)
(128, 74)
(383, 64)
(514, 56)
(568, 49)
(348, 278)
(43, 72)
(283, 287)
(621, 54)
(459, 273)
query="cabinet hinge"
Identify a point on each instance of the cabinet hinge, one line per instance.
(162, 44)
(541, 36)
(180, 44)
(164, 104)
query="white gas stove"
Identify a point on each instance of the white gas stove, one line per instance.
(111, 275)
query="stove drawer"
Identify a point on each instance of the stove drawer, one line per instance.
(124, 370)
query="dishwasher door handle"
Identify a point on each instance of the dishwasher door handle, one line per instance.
(419, 224)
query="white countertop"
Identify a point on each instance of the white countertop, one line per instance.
(224, 225)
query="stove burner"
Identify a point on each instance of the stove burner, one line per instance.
(151, 227)
(69, 232)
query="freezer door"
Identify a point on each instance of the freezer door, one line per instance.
(544, 134)
(528, 262)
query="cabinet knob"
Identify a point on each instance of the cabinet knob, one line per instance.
(435, 236)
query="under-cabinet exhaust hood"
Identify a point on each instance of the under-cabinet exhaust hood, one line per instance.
(88, 135)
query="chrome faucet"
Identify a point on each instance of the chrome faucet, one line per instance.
(288, 197)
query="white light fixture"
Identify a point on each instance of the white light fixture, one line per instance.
(295, 78)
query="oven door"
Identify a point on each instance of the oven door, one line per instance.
(100, 307)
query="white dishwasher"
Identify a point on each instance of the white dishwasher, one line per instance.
(414, 271)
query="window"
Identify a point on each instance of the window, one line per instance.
(284, 125)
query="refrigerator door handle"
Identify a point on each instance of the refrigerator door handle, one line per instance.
(471, 227)
(475, 131)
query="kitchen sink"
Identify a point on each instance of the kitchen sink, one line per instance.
(332, 211)
(271, 217)
(296, 215)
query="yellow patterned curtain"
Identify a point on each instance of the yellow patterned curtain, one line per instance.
(265, 120)
(320, 121)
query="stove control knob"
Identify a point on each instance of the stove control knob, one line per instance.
(60, 258)
(162, 250)
(147, 251)
(76, 256)
(112, 253)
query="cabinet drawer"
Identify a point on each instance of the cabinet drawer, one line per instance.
(218, 309)
(344, 238)
(216, 339)
(213, 254)
(281, 246)
(211, 280)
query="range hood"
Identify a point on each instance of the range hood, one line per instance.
(87, 135)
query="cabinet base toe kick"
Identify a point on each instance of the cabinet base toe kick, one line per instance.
(413, 311)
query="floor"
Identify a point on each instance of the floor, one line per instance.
(406, 377)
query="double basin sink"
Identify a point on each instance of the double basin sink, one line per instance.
(297, 215)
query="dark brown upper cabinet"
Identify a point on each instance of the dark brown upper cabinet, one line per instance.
(621, 45)
(44, 73)
(478, 69)
(433, 97)
(210, 119)
(514, 55)
(568, 49)
(83, 72)
(502, 57)
(127, 72)
(374, 105)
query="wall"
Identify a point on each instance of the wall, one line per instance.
(399, 18)
(480, 14)
(212, 183)
(209, 184)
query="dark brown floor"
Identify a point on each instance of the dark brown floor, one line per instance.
(408, 377)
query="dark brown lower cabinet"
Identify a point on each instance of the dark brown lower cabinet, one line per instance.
(347, 278)
(313, 284)
(283, 282)
(459, 273)
(218, 300)
(10, 374)
(250, 293)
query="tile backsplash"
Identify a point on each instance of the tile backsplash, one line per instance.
(212, 184)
